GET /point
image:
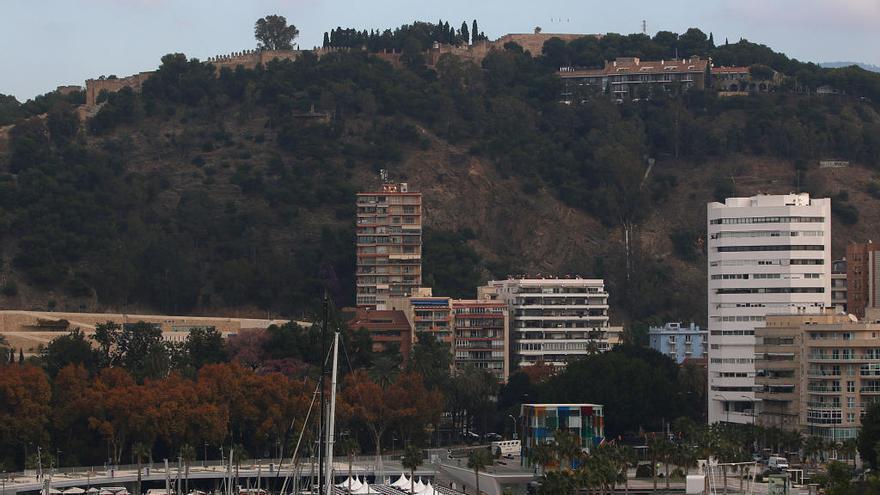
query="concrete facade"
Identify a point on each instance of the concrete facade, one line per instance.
(481, 336)
(862, 277)
(679, 342)
(389, 245)
(817, 373)
(767, 254)
(839, 284)
(555, 320)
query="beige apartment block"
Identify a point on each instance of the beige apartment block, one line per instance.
(817, 373)
(389, 245)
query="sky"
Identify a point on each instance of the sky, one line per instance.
(47, 43)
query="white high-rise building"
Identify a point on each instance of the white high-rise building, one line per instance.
(554, 320)
(767, 254)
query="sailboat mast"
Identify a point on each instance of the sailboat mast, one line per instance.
(322, 420)
(331, 419)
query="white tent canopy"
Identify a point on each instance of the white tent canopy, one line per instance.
(75, 490)
(345, 483)
(401, 482)
(429, 490)
(419, 486)
(364, 488)
(92, 490)
(54, 490)
(356, 484)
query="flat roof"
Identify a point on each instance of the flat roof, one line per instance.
(562, 405)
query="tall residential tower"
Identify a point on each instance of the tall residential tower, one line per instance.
(767, 254)
(389, 244)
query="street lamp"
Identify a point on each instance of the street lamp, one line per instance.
(514, 424)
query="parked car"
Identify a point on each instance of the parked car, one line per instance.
(494, 437)
(777, 464)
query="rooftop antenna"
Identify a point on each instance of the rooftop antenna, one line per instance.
(644, 26)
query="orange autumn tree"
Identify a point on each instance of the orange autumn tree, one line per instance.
(117, 408)
(24, 407)
(418, 406)
(364, 400)
(405, 403)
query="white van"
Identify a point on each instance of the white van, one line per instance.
(507, 448)
(777, 463)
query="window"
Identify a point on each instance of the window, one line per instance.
(850, 386)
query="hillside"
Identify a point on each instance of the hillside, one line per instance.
(226, 195)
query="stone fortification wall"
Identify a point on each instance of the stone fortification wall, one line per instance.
(534, 42)
(95, 86)
(251, 58)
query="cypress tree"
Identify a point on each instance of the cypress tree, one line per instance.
(465, 35)
(475, 33)
(326, 39)
(711, 40)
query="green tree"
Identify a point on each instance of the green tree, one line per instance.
(204, 345)
(475, 33)
(73, 348)
(479, 460)
(869, 435)
(411, 460)
(558, 483)
(464, 35)
(273, 33)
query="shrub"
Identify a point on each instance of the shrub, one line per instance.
(10, 288)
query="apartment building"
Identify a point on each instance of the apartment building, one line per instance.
(679, 342)
(388, 329)
(481, 330)
(767, 254)
(862, 277)
(555, 320)
(389, 244)
(426, 313)
(839, 286)
(831, 366)
(631, 77)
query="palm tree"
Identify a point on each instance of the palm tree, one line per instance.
(187, 455)
(568, 446)
(544, 455)
(140, 452)
(812, 447)
(479, 460)
(412, 459)
(350, 447)
(850, 447)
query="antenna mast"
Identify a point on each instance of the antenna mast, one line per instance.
(644, 27)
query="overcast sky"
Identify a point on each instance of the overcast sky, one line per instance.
(46, 43)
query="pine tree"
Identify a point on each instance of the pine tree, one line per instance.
(465, 35)
(326, 39)
(475, 33)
